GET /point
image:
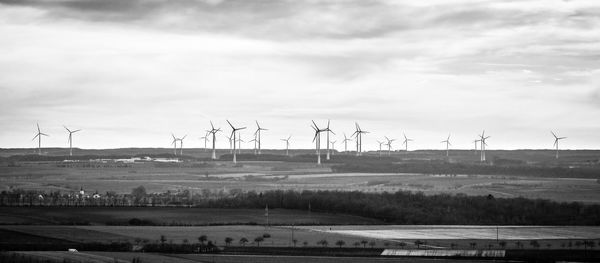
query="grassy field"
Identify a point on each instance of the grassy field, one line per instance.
(262, 176)
(121, 257)
(280, 236)
(76, 257)
(69, 233)
(172, 216)
(461, 237)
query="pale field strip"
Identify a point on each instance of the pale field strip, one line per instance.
(465, 232)
(73, 256)
(444, 253)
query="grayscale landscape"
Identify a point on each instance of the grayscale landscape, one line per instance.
(299, 131)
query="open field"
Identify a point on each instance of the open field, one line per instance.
(77, 257)
(391, 232)
(171, 216)
(259, 177)
(111, 257)
(545, 156)
(280, 236)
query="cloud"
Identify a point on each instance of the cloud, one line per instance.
(394, 65)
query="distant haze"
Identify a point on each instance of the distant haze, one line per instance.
(128, 73)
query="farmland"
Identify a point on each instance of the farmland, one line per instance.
(221, 200)
(121, 257)
(170, 216)
(262, 176)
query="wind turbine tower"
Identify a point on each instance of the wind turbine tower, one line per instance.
(205, 138)
(380, 143)
(475, 142)
(233, 136)
(317, 139)
(332, 147)
(328, 131)
(181, 145)
(240, 142)
(346, 142)
(257, 132)
(406, 140)
(214, 131)
(389, 144)
(254, 140)
(556, 139)
(39, 136)
(482, 139)
(174, 142)
(358, 134)
(447, 141)
(71, 140)
(287, 145)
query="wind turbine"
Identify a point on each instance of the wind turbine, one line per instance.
(257, 132)
(254, 140)
(346, 143)
(317, 139)
(205, 138)
(214, 131)
(39, 136)
(71, 140)
(406, 140)
(482, 139)
(358, 134)
(239, 140)
(380, 143)
(389, 144)
(328, 131)
(287, 145)
(230, 144)
(233, 130)
(332, 147)
(556, 139)
(174, 142)
(476, 141)
(447, 141)
(181, 145)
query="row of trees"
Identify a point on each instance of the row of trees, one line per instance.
(401, 207)
(416, 208)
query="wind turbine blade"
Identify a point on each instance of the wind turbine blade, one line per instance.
(35, 136)
(67, 128)
(44, 134)
(211, 125)
(76, 131)
(317, 127)
(38, 126)
(183, 137)
(560, 138)
(242, 128)
(553, 134)
(230, 124)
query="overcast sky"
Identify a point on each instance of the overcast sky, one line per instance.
(131, 72)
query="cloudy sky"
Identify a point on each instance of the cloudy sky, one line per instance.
(131, 72)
